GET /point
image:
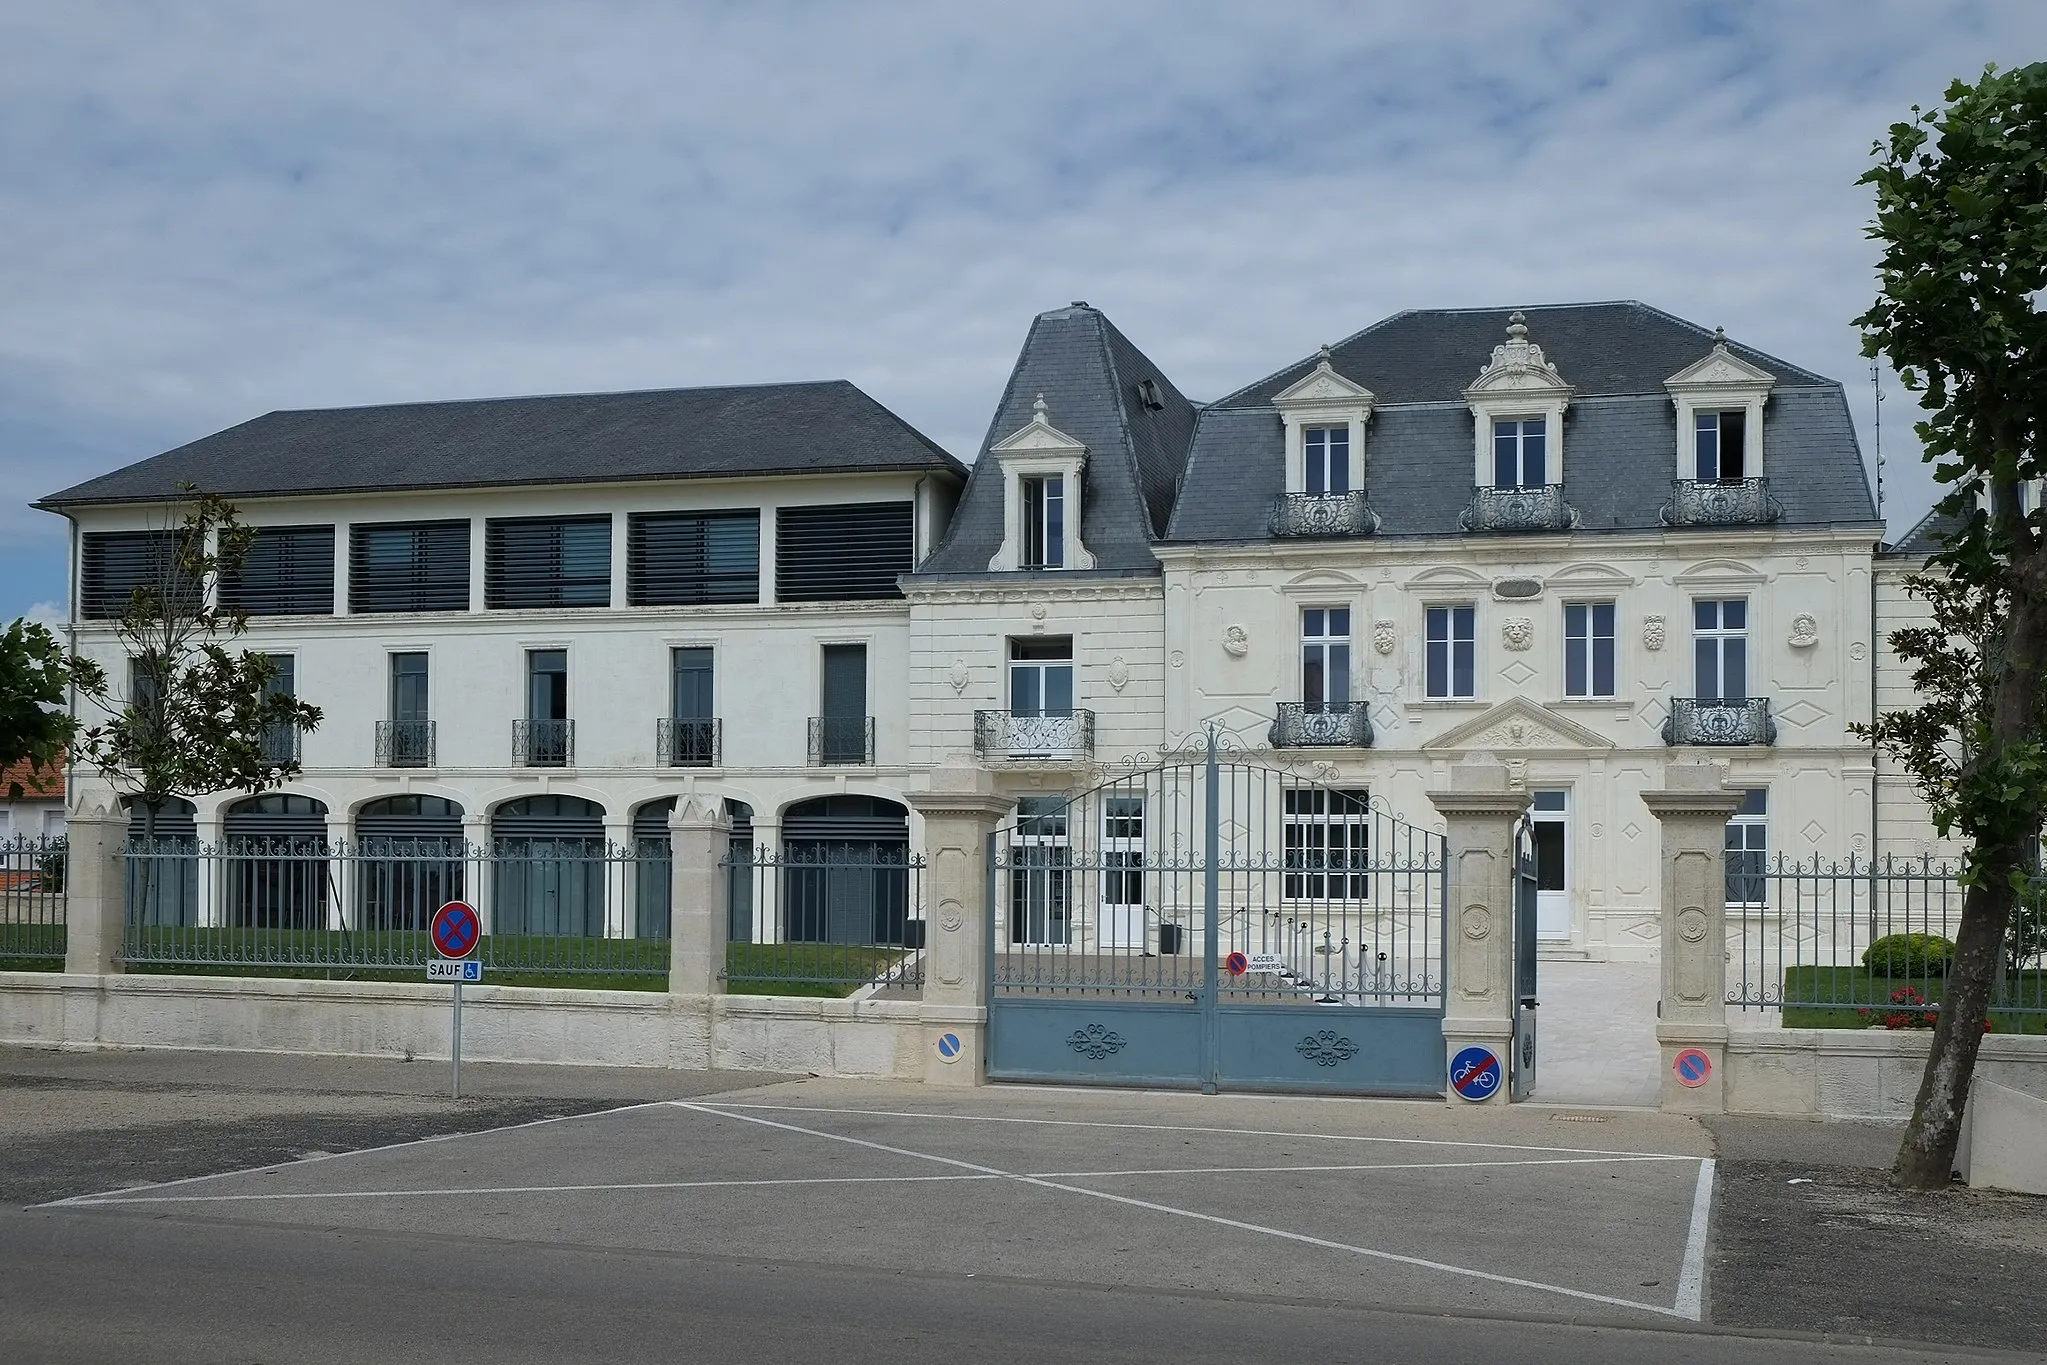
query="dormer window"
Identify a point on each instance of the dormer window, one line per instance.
(1521, 452)
(1719, 480)
(1517, 404)
(1326, 453)
(1718, 440)
(1044, 529)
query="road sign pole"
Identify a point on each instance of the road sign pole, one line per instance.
(455, 1051)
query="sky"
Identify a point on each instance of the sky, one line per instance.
(212, 210)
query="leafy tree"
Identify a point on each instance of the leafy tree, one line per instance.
(1961, 213)
(195, 717)
(35, 679)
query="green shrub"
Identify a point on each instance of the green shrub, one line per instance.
(1909, 955)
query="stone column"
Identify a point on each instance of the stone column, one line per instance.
(700, 887)
(1479, 992)
(1693, 809)
(95, 891)
(960, 811)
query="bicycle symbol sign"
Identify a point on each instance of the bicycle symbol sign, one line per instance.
(456, 929)
(1475, 1073)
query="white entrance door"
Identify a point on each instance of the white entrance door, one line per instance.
(1551, 817)
(1122, 873)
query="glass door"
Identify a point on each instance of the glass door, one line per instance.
(1551, 818)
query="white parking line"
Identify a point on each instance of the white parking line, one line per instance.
(1238, 1224)
(1691, 1279)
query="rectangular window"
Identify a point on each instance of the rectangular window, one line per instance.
(1325, 658)
(1041, 677)
(114, 565)
(843, 553)
(408, 566)
(690, 690)
(540, 562)
(1328, 844)
(842, 715)
(1123, 852)
(409, 687)
(1718, 440)
(1720, 649)
(289, 571)
(1041, 873)
(688, 559)
(547, 684)
(1520, 452)
(1044, 529)
(1327, 451)
(1748, 842)
(281, 742)
(1589, 650)
(1452, 664)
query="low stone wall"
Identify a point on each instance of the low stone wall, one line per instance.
(1859, 1073)
(883, 1039)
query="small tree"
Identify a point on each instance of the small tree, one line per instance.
(195, 717)
(35, 679)
(1961, 196)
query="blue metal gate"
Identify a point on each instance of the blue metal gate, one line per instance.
(1218, 923)
(1521, 1063)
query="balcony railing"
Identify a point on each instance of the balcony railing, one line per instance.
(544, 743)
(405, 744)
(1346, 725)
(1705, 720)
(842, 741)
(1005, 735)
(688, 741)
(1322, 514)
(280, 743)
(1519, 509)
(1721, 502)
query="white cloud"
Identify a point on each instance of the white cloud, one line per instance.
(213, 210)
(49, 614)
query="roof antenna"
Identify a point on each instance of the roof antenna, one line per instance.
(1876, 381)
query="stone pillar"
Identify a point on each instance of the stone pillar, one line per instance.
(1479, 992)
(700, 887)
(960, 811)
(95, 892)
(1693, 809)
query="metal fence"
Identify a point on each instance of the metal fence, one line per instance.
(32, 871)
(552, 910)
(1838, 936)
(819, 917)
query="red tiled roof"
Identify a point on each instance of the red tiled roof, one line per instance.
(46, 786)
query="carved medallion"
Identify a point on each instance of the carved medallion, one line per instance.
(1518, 632)
(1236, 641)
(1476, 921)
(1119, 673)
(1805, 631)
(1652, 632)
(1384, 636)
(958, 676)
(1691, 924)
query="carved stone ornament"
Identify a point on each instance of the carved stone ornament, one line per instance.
(950, 917)
(1691, 924)
(1179, 659)
(1805, 631)
(958, 676)
(1652, 632)
(1119, 673)
(1857, 650)
(1236, 641)
(1518, 632)
(1477, 922)
(1384, 636)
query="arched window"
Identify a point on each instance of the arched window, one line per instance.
(412, 863)
(548, 855)
(163, 888)
(275, 874)
(845, 871)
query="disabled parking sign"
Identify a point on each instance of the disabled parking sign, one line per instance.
(1475, 1073)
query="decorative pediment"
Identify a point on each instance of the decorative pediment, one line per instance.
(1587, 575)
(1720, 371)
(1719, 573)
(1518, 368)
(1448, 576)
(1039, 437)
(1518, 725)
(1324, 389)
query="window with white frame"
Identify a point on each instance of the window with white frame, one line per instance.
(1123, 850)
(1041, 873)
(1520, 452)
(1748, 843)
(1328, 837)
(1589, 668)
(1719, 443)
(1451, 666)
(1720, 649)
(1325, 659)
(1044, 529)
(1041, 676)
(1326, 455)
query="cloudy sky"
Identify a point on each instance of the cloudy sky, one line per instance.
(210, 210)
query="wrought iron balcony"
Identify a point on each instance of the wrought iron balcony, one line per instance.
(1721, 502)
(1322, 514)
(544, 743)
(1005, 735)
(405, 744)
(1345, 725)
(1705, 720)
(688, 741)
(1519, 509)
(842, 741)
(280, 743)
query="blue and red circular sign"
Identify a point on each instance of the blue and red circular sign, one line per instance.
(1475, 1073)
(1693, 1067)
(1237, 963)
(457, 929)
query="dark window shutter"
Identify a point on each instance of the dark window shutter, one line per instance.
(113, 564)
(289, 571)
(686, 559)
(842, 553)
(408, 566)
(538, 562)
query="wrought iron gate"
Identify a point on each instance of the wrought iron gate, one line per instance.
(1219, 923)
(1527, 921)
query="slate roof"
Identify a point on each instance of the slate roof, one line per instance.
(823, 427)
(1619, 437)
(1090, 375)
(1924, 539)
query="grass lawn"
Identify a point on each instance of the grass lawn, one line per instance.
(1860, 989)
(31, 947)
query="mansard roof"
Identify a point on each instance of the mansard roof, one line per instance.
(805, 428)
(1095, 386)
(1927, 537)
